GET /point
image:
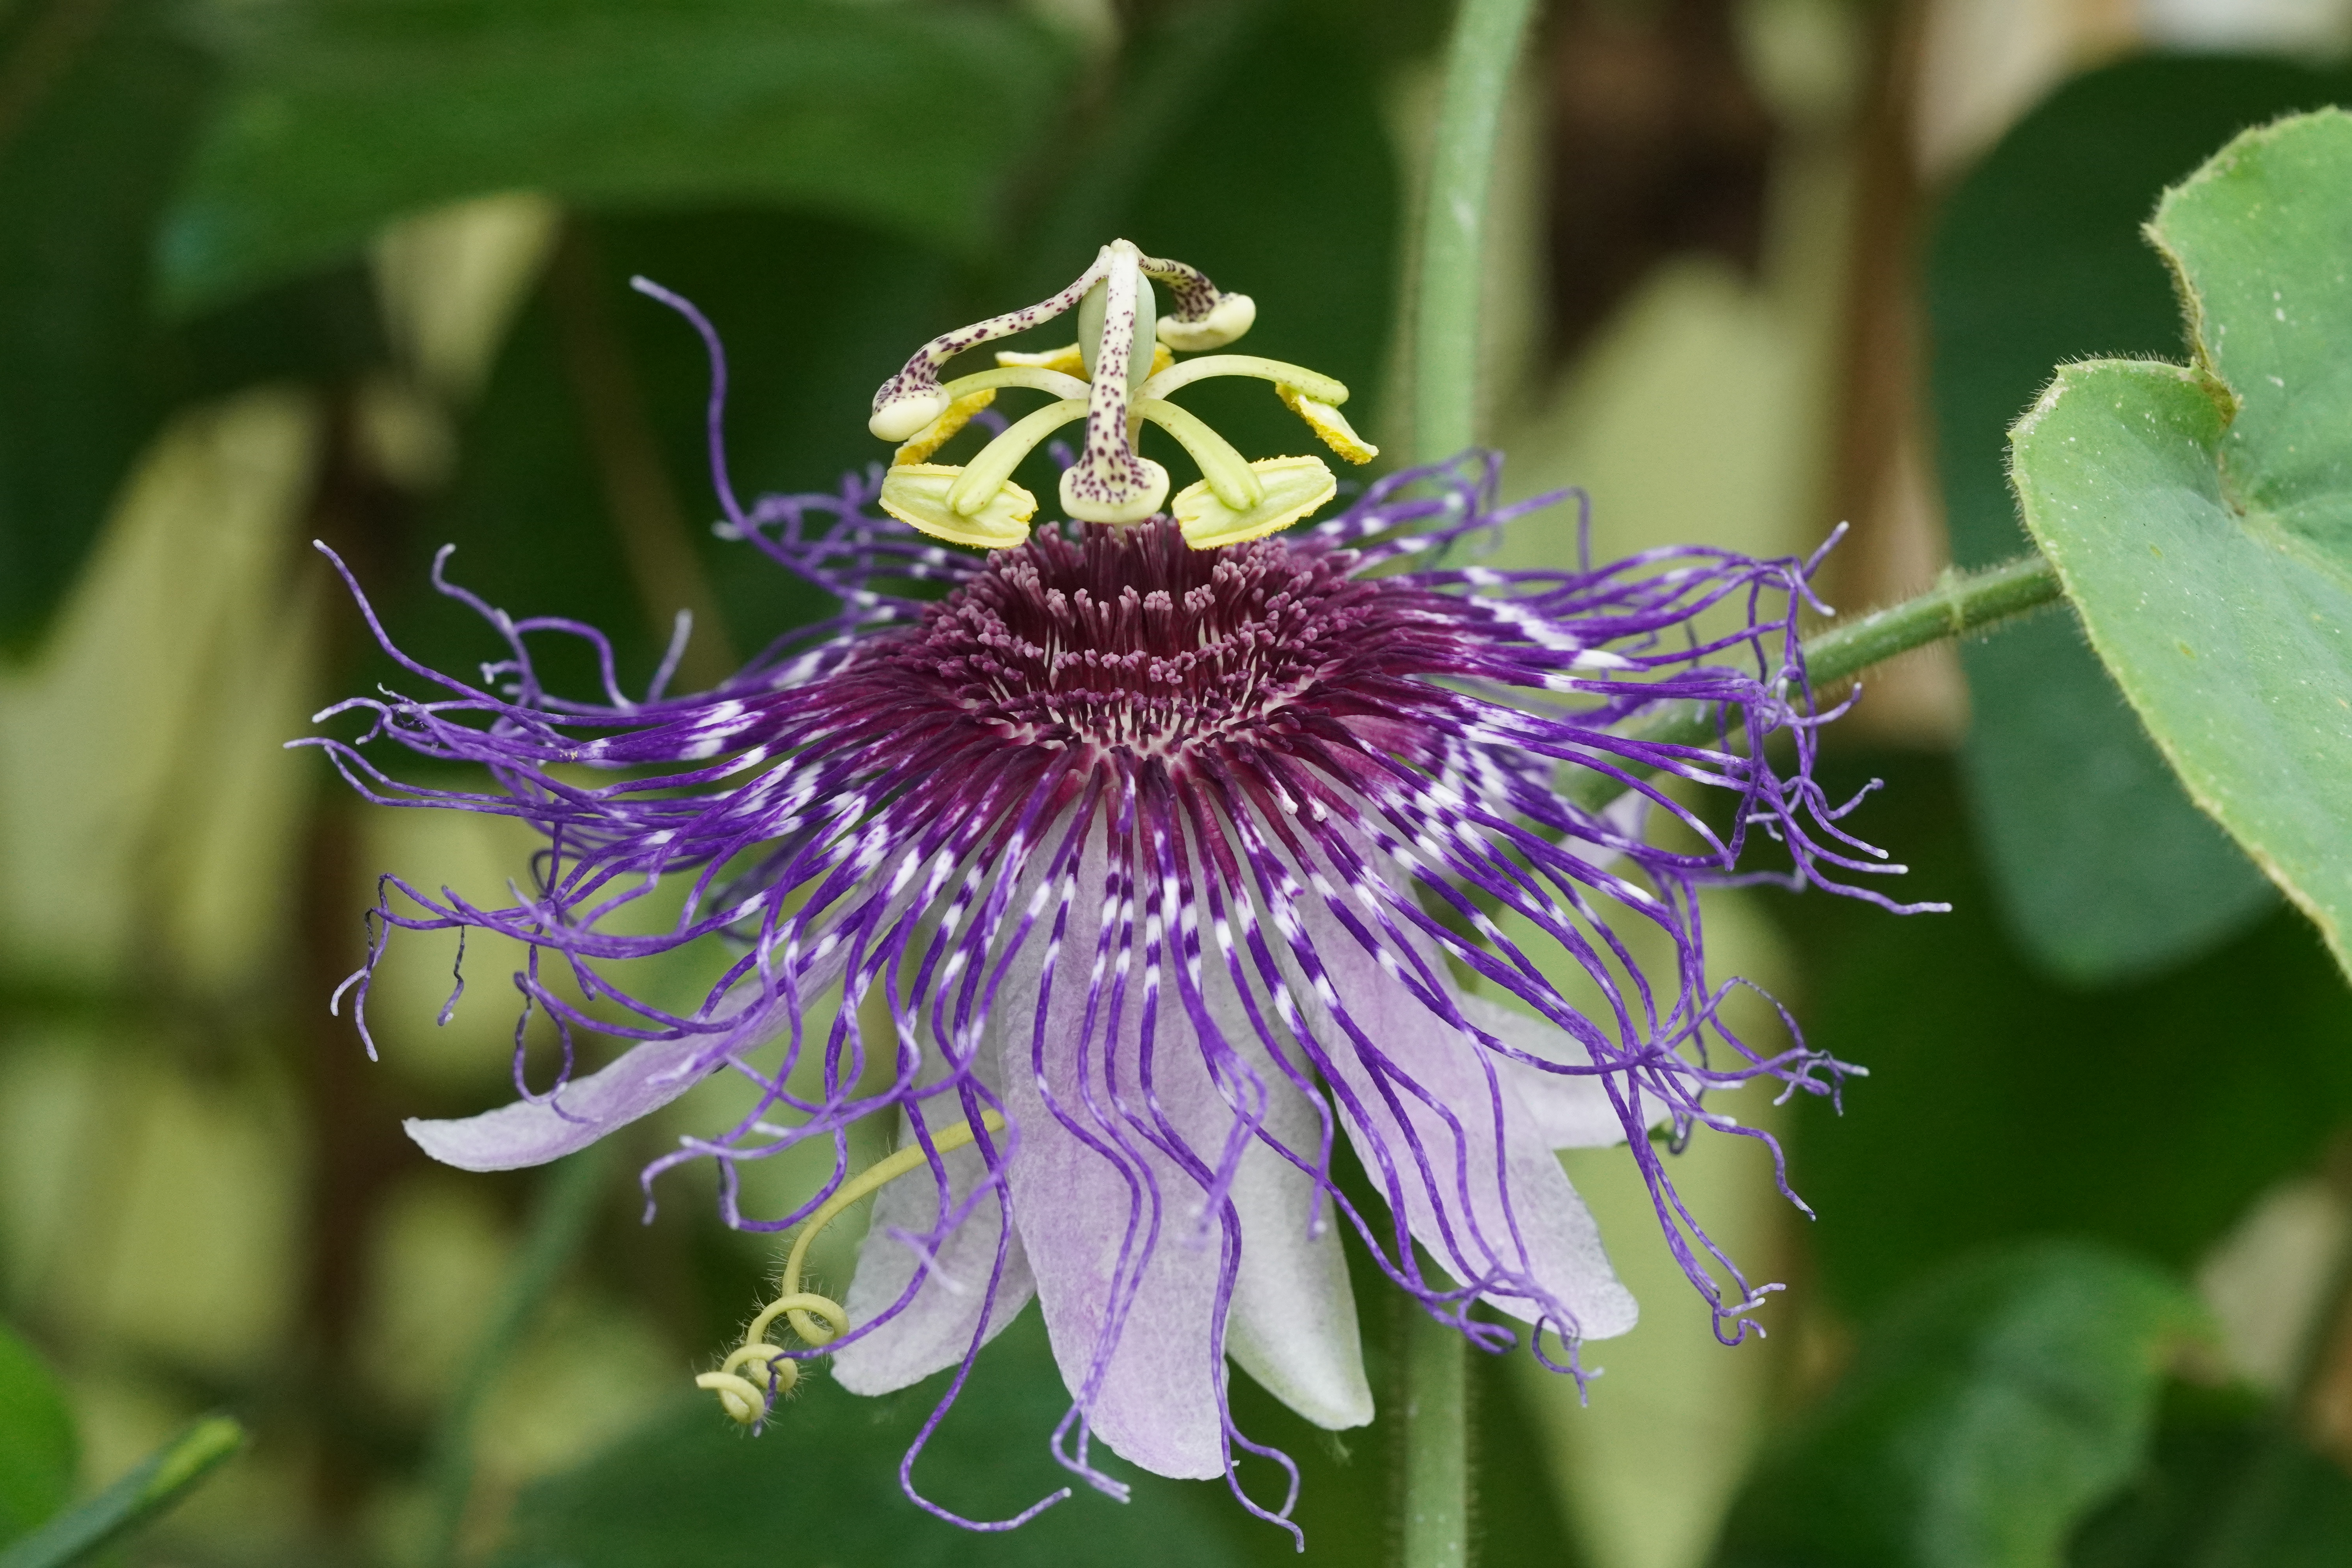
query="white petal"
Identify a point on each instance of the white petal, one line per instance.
(645, 1078)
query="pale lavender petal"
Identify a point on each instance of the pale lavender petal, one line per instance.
(1088, 1196)
(1293, 1323)
(1545, 1237)
(1564, 1110)
(532, 1132)
(935, 1330)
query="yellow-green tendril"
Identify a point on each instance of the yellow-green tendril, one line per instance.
(747, 1400)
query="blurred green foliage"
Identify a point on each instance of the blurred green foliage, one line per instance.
(2050, 1099)
(2227, 1484)
(38, 1449)
(1983, 1413)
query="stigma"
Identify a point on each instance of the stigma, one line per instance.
(1119, 376)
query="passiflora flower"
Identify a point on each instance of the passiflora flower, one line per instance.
(1182, 853)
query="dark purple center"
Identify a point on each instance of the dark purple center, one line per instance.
(1128, 638)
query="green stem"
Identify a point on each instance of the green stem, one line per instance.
(1479, 59)
(1445, 337)
(1437, 1443)
(1960, 604)
(161, 1480)
(559, 1224)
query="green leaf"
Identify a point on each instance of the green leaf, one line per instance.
(2102, 865)
(344, 116)
(154, 1485)
(2048, 1097)
(2227, 1487)
(38, 1449)
(2201, 516)
(83, 180)
(1980, 1418)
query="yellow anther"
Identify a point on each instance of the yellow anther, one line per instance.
(940, 431)
(1071, 361)
(1327, 422)
(746, 1401)
(1066, 360)
(916, 493)
(1292, 486)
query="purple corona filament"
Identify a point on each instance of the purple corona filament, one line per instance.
(1176, 869)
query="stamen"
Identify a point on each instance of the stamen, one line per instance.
(1186, 372)
(942, 431)
(989, 471)
(1290, 488)
(1329, 424)
(747, 1402)
(1038, 378)
(1071, 361)
(917, 494)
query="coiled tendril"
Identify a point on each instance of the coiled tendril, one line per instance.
(748, 1401)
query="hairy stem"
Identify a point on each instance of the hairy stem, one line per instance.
(1479, 59)
(1437, 1443)
(1960, 604)
(1445, 337)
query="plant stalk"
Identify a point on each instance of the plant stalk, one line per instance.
(1480, 57)
(1436, 1443)
(1445, 336)
(1960, 604)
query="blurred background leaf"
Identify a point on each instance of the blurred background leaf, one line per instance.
(2227, 1484)
(95, 111)
(1985, 1411)
(341, 117)
(2148, 1115)
(37, 1449)
(2101, 865)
